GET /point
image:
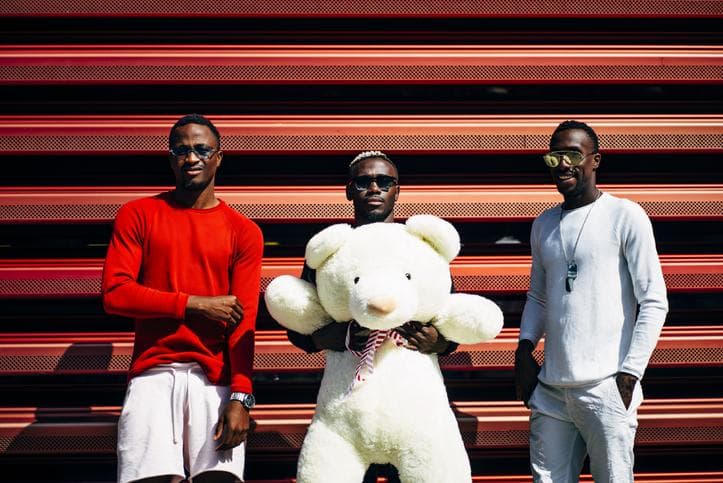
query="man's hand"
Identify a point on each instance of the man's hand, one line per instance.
(225, 308)
(526, 370)
(423, 338)
(233, 426)
(333, 336)
(626, 385)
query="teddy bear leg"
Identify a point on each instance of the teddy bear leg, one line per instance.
(446, 463)
(326, 457)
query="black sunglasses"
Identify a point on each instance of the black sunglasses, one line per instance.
(201, 151)
(384, 182)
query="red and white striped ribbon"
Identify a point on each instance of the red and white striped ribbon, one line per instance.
(365, 367)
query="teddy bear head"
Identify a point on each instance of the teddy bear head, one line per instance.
(384, 274)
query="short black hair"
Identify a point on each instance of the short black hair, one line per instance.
(572, 124)
(193, 119)
(369, 155)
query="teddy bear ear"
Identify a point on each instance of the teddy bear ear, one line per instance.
(440, 234)
(325, 243)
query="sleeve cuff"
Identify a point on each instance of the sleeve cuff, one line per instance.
(242, 386)
(451, 347)
(531, 337)
(303, 342)
(631, 371)
(181, 302)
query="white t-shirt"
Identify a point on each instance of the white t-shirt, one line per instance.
(592, 332)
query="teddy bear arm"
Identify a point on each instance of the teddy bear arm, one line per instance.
(294, 303)
(469, 319)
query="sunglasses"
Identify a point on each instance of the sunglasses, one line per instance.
(201, 151)
(384, 182)
(573, 158)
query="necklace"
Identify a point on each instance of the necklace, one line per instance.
(571, 263)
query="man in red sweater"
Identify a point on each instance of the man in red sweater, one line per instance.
(186, 267)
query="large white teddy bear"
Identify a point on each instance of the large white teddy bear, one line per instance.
(388, 404)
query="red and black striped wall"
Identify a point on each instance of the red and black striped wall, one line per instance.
(462, 95)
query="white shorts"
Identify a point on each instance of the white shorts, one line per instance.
(167, 424)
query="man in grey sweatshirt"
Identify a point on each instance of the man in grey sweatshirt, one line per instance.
(593, 262)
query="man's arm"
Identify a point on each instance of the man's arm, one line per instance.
(423, 338)
(426, 339)
(532, 328)
(233, 426)
(626, 385)
(526, 370)
(234, 421)
(245, 286)
(650, 292)
(122, 294)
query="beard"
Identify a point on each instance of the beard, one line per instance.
(193, 185)
(375, 216)
(581, 184)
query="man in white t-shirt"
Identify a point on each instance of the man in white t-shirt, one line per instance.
(594, 262)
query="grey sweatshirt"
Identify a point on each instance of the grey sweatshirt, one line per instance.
(595, 330)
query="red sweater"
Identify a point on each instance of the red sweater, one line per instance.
(162, 252)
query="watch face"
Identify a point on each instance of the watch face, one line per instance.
(249, 401)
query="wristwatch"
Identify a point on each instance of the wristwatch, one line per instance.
(248, 400)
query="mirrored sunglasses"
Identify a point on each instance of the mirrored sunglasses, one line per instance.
(573, 158)
(383, 182)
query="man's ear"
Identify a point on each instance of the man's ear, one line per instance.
(596, 161)
(396, 194)
(349, 192)
(325, 243)
(219, 155)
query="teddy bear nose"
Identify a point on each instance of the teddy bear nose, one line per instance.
(382, 304)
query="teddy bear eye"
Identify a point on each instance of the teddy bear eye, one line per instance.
(408, 275)
(356, 279)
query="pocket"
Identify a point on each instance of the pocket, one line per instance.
(531, 402)
(635, 397)
(613, 396)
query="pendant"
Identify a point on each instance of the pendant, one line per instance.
(571, 275)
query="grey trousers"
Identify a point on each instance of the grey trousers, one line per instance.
(568, 423)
